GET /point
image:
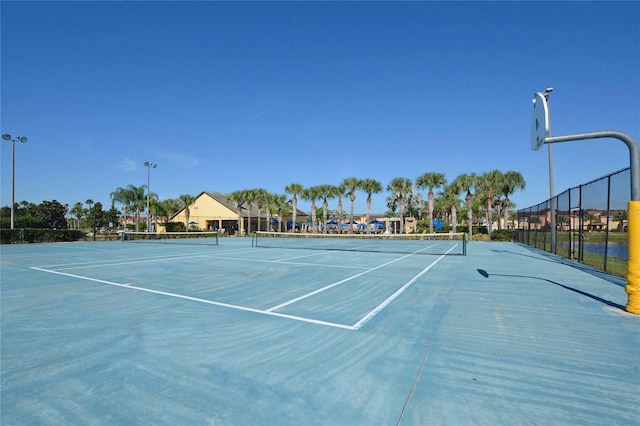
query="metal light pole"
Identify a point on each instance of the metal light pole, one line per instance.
(149, 166)
(22, 139)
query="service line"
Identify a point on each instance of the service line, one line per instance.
(320, 290)
(197, 299)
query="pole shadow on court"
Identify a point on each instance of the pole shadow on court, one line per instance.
(575, 290)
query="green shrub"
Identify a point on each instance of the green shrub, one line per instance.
(501, 235)
(481, 237)
(39, 235)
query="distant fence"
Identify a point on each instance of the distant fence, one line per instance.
(590, 222)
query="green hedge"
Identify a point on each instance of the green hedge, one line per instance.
(502, 235)
(38, 235)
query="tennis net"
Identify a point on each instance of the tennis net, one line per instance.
(194, 237)
(438, 243)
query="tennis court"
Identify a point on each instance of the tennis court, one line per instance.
(147, 333)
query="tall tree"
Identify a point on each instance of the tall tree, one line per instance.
(452, 202)
(431, 180)
(511, 182)
(78, 211)
(239, 198)
(91, 217)
(620, 216)
(185, 201)
(281, 205)
(250, 197)
(125, 197)
(467, 182)
(138, 200)
(294, 189)
(370, 186)
(401, 189)
(339, 192)
(169, 207)
(489, 184)
(312, 193)
(261, 197)
(351, 185)
(327, 192)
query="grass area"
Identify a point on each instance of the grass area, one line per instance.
(542, 240)
(615, 266)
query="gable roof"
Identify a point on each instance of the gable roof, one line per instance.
(224, 200)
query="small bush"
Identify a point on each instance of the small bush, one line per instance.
(502, 235)
(481, 237)
(39, 235)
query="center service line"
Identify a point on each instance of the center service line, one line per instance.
(398, 292)
(304, 296)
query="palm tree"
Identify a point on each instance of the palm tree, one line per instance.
(185, 201)
(401, 189)
(239, 198)
(137, 200)
(250, 198)
(431, 180)
(92, 223)
(168, 207)
(511, 181)
(261, 198)
(351, 185)
(370, 186)
(327, 192)
(312, 194)
(279, 201)
(294, 189)
(124, 197)
(340, 191)
(620, 216)
(489, 184)
(268, 203)
(450, 199)
(466, 182)
(78, 211)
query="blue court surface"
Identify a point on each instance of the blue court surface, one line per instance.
(128, 333)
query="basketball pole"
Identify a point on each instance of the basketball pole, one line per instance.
(632, 287)
(552, 200)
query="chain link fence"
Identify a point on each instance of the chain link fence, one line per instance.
(590, 223)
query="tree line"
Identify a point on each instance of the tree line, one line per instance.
(476, 196)
(482, 196)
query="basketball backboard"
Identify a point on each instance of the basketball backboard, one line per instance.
(539, 121)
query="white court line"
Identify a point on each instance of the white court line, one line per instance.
(270, 311)
(398, 292)
(113, 262)
(75, 266)
(102, 263)
(305, 255)
(240, 259)
(320, 290)
(196, 299)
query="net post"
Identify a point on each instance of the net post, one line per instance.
(254, 239)
(464, 243)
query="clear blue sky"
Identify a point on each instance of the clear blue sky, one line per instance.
(228, 96)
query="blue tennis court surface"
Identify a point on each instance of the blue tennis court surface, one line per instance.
(146, 333)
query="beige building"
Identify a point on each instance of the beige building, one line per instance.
(211, 211)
